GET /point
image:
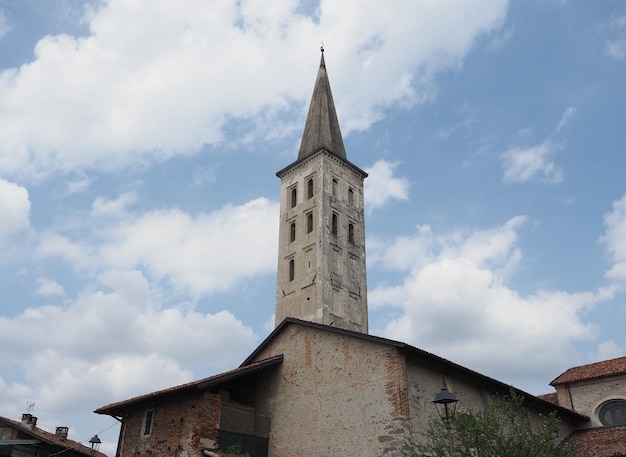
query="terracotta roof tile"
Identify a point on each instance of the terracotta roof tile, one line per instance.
(51, 438)
(592, 371)
(551, 397)
(600, 442)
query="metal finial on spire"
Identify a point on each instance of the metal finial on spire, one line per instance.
(322, 46)
(322, 63)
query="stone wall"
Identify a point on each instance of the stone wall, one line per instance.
(334, 395)
(182, 425)
(321, 267)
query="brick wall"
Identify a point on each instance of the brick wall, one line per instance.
(182, 425)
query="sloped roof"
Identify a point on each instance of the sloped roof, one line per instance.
(321, 129)
(552, 397)
(600, 442)
(596, 370)
(425, 357)
(116, 408)
(50, 438)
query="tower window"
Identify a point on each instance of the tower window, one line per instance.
(294, 197)
(309, 222)
(351, 233)
(309, 188)
(292, 232)
(292, 270)
(335, 188)
(350, 197)
(334, 224)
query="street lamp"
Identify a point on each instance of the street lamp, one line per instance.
(445, 402)
(94, 441)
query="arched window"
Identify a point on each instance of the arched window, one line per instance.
(350, 197)
(334, 224)
(294, 197)
(309, 188)
(292, 232)
(335, 188)
(613, 413)
(351, 233)
(309, 222)
(292, 270)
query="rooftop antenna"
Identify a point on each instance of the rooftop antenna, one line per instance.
(30, 406)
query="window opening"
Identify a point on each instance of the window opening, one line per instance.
(334, 224)
(310, 188)
(309, 222)
(350, 197)
(292, 270)
(351, 233)
(335, 188)
(613, 413)
(294, 197)
(292, 232)
(147, 422)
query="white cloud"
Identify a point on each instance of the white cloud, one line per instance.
(455, 302)
(5, 27)
(14, 208)
(615, 239)
(113, 341)
(381, 186)
(494, 248)
(523, 164)
(112, 208)
(616, 47)
(156, 79)
(567, 115)
(607, 350)
(500, 41)
(526, 163)
(47, 286)
(198, 254)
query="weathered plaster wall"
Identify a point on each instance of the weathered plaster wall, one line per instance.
(424, 382)
(329, 284)
(334, 395)
(182, 426)
(587, 397)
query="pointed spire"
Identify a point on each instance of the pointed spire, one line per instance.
(322, 127)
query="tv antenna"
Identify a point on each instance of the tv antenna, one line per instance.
(30, 406)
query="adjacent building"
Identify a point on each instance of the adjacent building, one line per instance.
(25, 439)
(597, 390)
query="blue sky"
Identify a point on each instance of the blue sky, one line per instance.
(138, 199)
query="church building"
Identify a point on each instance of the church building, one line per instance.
(320, 384)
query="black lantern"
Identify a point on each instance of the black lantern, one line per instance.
(445, 402)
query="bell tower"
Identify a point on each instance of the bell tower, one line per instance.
(321, 253)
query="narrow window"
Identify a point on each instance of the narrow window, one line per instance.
(333, 227)
(294, 197)
(292, 232)
(350, 197)
(335, 188)
(351, 233)
(309, 186)
(309, 222)
(147, 422)
(292, 270)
